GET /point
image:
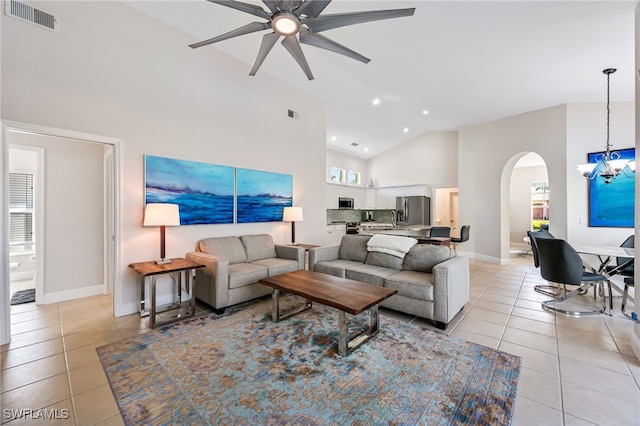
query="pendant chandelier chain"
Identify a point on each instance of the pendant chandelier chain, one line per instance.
(608, 154)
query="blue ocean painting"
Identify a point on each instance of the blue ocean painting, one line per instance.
(612, 205)
(262, 196)
(203, 191)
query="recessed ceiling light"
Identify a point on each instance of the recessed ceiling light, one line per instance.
(366, 150)
(425, 112)
(376, 101)
(333, 138)
(406, 129)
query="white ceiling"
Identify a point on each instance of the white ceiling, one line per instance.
(465, 62)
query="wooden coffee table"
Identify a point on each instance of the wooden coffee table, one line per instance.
(348, 296)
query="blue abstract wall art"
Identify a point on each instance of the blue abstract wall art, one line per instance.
(612, 205)
(204, 192)
(262, 196)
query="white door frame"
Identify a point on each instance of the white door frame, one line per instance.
(7, 126)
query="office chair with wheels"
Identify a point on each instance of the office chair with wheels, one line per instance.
(548, 290)
(464, 236)
(560, 263)
(440, 231)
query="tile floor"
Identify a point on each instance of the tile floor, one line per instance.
(576, 371)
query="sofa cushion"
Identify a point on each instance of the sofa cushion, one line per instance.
(354, 247)
(413, 284)
(229, 248)
(335, 267)
(369, 274)
(384, 259)
(423, 257)
(277, 266)
(258, 247)
(242, 274)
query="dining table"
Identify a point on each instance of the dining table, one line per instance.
(605, 255)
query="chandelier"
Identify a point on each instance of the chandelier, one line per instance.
(608, 165)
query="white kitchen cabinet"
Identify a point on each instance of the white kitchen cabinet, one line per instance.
(335, 233)
(370, 199)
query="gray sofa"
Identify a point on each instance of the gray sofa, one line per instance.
(235, 264)
(432, 282)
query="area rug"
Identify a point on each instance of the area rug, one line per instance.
(23, 296)
(243, 369)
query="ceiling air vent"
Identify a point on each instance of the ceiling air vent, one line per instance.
(355, 144)
(30, 14)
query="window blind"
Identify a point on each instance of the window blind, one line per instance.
(20, 210)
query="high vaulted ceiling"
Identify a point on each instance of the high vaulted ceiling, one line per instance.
(464, 62)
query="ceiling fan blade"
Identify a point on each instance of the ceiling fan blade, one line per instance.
(318, 40)
(247, 29)
(329, 22)
(312, 8)
(289, 5)
(272, 5)
(268, 41)
(243, 7)
(291, 44)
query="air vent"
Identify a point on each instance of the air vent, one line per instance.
(293, 114)
(355, 144)
(30, 14)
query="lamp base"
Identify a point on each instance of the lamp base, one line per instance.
(163, 261)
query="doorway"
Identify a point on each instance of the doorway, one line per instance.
(26, 199)
(70, 212)
(446, 209)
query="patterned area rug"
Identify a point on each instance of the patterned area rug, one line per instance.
(23, 296)
(241, 368)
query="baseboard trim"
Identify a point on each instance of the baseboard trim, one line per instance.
(76, 293)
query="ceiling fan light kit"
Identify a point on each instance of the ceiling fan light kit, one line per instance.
(289, 18)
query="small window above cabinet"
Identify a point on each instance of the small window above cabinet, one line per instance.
(539, 205)
(354, 178)
(337, 175)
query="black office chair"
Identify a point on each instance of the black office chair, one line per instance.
(548, 290)
(560, 263)
(464, 236)
(440, 231)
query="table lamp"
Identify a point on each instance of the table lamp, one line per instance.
(293, 215)
(162, 214)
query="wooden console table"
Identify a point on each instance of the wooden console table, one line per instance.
(178, 309)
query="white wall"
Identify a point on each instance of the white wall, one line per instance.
(138, 81)
(487, 155)
(520, 200)
(586, 132)
(429, 158)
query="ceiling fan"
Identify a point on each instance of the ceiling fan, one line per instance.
(303, 17)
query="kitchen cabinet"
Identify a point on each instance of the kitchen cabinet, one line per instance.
(370, 199)
(335, 233)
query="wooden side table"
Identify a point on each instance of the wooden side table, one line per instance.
(181, 268)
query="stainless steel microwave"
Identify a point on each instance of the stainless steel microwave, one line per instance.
(345, 203)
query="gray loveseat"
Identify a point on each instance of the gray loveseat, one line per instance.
(432, 282)
(235, 264)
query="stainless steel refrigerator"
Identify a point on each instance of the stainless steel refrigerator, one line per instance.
(413, 210)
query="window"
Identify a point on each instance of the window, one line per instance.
(20, 212)
(337, 175)
(354, 178)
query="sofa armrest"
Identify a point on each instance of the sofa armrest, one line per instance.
(450, 288)
(212, 281)
(291, 252)
(322, 254)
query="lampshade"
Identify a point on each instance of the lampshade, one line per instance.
(292, 214)
(161, 214)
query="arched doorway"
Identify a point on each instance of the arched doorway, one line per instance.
(525, 201)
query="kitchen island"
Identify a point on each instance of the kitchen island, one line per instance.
(419, 233)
